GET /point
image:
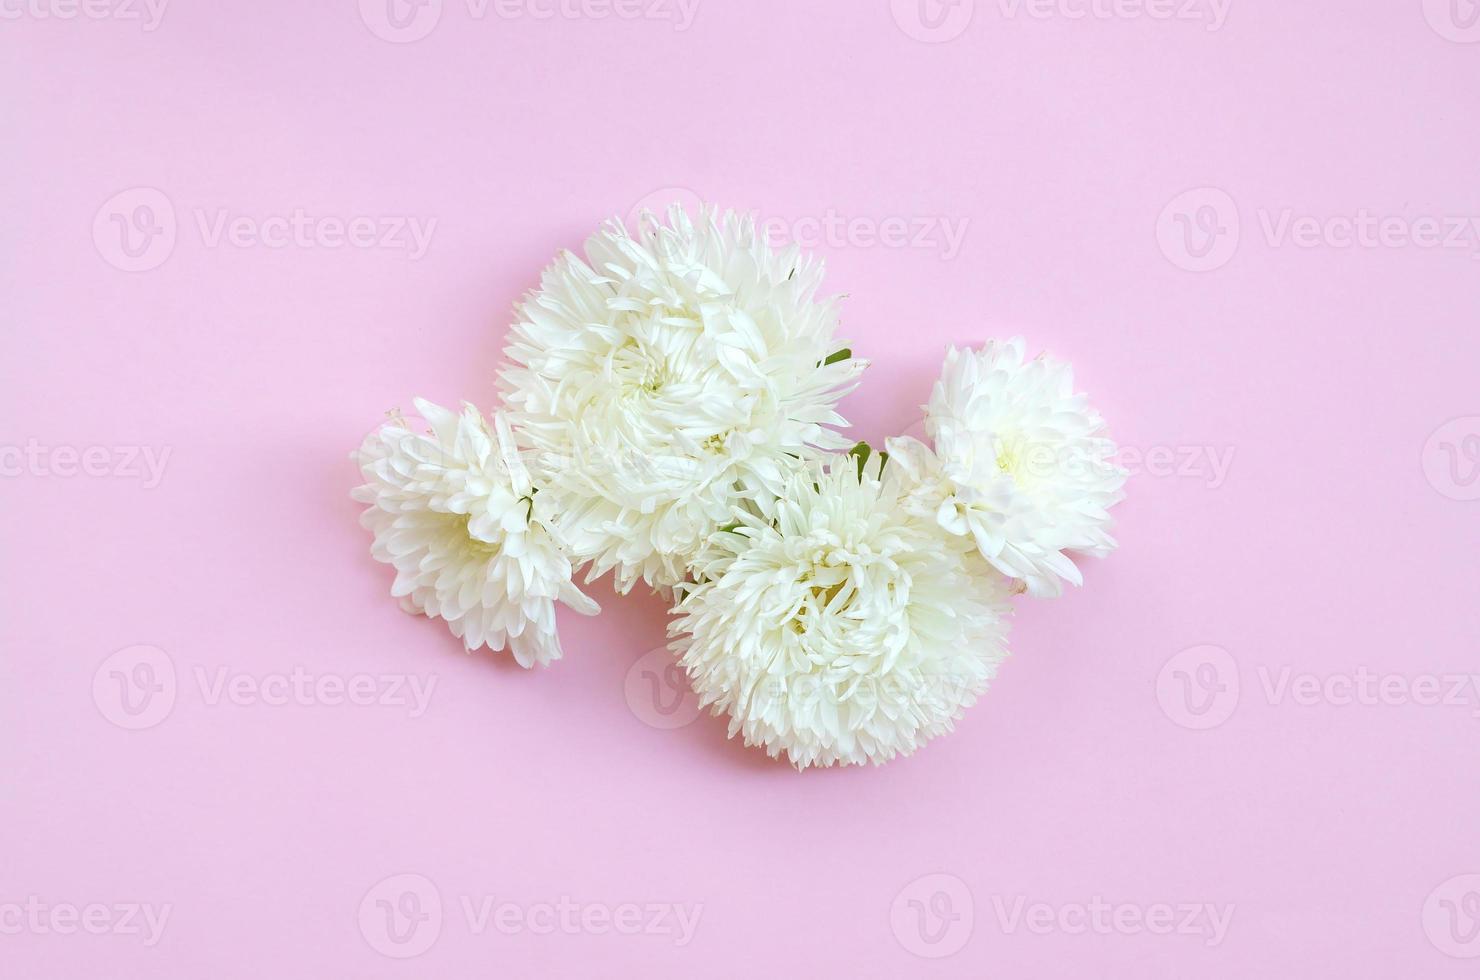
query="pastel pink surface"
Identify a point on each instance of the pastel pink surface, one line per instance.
(1328, 546)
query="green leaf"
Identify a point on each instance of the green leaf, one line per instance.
(861, 452)
(837, 356)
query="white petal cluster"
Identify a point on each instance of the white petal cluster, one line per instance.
(1020, 465)
(668, 376)
(455, 512)
(669, 415)
(842, 631)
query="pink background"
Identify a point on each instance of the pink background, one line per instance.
(1338, 540)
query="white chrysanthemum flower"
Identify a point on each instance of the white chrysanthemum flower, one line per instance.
(1020, 467)
(668, 375)
(844, 631)
(455, 512)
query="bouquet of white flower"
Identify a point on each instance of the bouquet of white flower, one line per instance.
(670, 414)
